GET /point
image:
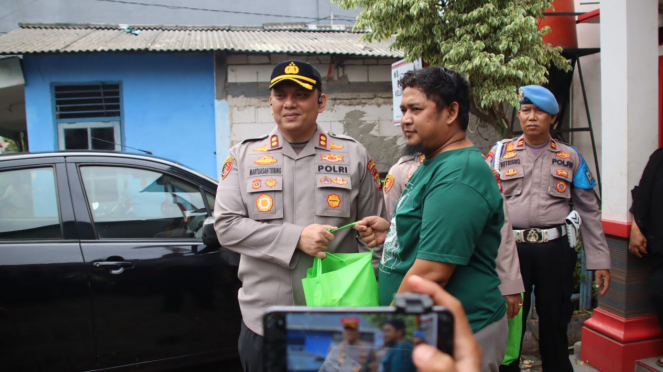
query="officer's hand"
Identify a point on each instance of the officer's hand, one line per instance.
(467, 352)
(638, 243)
(602, 280)
(373, 230)
(315, 239)
(514, 302)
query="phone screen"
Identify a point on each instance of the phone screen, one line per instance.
(350, 341)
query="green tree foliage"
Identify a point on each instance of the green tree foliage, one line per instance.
(495, 43)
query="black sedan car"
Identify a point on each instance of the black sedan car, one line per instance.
(103, 265)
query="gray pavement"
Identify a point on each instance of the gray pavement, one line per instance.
(580, 366)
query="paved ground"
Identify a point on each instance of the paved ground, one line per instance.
(533, 363)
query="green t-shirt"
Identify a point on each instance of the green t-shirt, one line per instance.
(450, 211)
(399, 358)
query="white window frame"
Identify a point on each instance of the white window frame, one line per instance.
(89, 125)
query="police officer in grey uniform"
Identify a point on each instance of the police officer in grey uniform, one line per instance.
(506, 263)
(279, 193)
(549, 193)
(353, 348)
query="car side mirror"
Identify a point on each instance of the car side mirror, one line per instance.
(209, 235)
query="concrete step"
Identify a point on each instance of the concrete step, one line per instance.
(648, 365)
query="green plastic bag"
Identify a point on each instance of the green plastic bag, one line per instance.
(515, 336)
(341, 279)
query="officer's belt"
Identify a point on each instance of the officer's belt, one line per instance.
(539, 235)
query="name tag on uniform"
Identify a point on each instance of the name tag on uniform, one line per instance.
(263, 171)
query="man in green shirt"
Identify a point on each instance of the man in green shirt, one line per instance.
(399, 356)
(446, 224)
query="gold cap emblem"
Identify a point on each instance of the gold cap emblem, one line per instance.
(292, 68)
(521, 95)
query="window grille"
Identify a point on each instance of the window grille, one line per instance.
(87, 101)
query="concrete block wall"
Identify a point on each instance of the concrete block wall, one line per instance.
(244, 68)
(358, 91)
(359, 102)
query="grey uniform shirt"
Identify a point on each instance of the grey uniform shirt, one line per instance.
(539, 190)
(267, 195)
(507, 262)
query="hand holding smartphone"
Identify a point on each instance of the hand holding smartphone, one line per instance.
(301, 339)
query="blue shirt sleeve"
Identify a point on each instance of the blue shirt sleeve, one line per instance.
(583, 179)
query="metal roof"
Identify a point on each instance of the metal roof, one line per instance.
(269, 38)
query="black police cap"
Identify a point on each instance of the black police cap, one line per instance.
(300, 72)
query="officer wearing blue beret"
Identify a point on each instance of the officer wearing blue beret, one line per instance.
(548, 189)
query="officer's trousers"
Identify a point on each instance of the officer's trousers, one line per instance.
(548, 267)
(250, 345)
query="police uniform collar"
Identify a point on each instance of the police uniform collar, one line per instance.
(308, 150)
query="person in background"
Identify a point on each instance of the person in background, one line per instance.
(418, 338)
(647, 228)
(399, 355)
(550, 198)
(353, 347)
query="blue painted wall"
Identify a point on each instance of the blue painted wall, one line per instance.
(167, 101)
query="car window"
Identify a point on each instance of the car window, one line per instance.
(210, 201)
(138, 203)
(29, 204)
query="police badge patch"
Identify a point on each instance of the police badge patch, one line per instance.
(270, 182)
(388, 183)
(227, 166)
(333, 200)
(264, 203)
(561, 186)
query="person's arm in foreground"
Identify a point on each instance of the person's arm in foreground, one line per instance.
(467, 352)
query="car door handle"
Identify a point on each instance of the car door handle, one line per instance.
(115, 267)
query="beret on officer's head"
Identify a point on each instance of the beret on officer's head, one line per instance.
(300, 72)
(539, 96)
(350, 322)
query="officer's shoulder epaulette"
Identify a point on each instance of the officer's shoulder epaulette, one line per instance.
(341, 136)
(504, 141)
(563, 143)
(255, 139)
(567, 147)
(405, 159)
(507, 140)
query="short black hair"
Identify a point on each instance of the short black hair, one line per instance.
(442, 86)
(399, 324)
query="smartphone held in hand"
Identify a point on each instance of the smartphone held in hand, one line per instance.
(353, 339)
